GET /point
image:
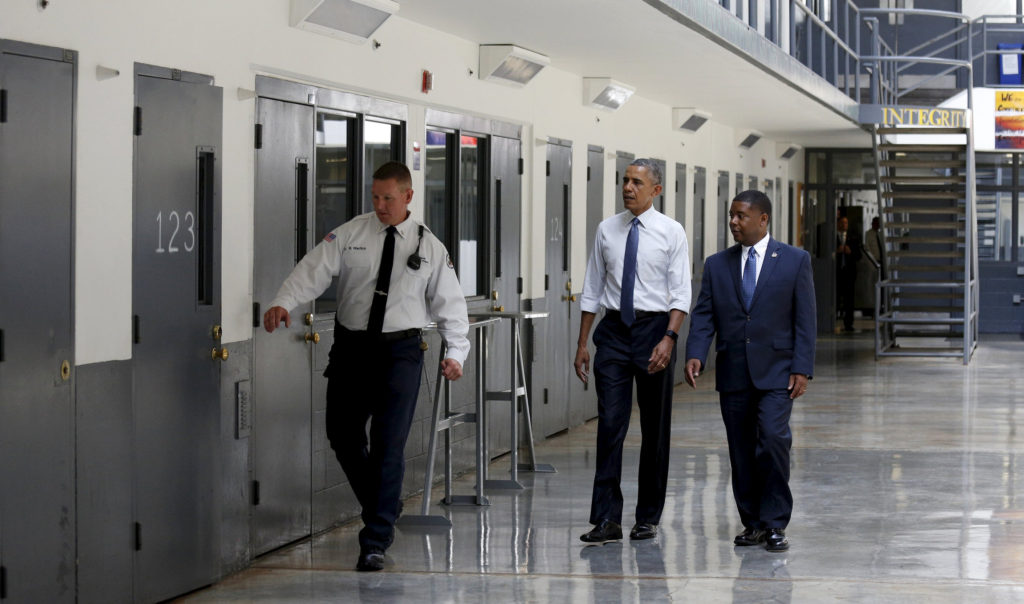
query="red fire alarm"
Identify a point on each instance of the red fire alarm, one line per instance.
(428, 82)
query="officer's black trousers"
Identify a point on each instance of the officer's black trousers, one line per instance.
(377, 381)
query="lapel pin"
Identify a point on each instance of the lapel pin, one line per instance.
(775, 254)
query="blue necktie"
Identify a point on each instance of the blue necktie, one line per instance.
(629, 274)
(749, 278)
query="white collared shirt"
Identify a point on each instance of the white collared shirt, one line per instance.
(762, 249)
(662, 266)
(352, 253)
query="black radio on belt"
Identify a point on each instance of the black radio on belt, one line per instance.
(414, 261)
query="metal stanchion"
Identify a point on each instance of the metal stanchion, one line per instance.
(443, 420)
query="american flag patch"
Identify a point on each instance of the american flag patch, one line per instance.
(330, 237)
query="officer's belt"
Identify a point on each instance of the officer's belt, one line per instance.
(639, 314)
(390, 336)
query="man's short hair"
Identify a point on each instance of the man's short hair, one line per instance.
(652, 168)
(757, 200)
(394, 170)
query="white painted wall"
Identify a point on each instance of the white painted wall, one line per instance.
(234, 41)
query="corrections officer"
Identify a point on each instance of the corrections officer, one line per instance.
(394, 277)
(639, 270)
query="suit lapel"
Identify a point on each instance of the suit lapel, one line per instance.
(733, 265)
(771, 260)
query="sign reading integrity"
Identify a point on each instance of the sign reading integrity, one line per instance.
(901, 115)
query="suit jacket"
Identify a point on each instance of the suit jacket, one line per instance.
(775, 338)
(848, 262)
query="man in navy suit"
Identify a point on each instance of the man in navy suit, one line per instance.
(758, 297)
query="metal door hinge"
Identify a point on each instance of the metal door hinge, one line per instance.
(258, 136)
(69, 56)
(588, 173)
(256, 314)
(3, 582)
(3, 106)
(176, 75)
(519, 285)
(546, 281)
(255, 492)
(136, 329)
(520, 166)
(138, 536)
(138, 121)
(548, 167)
(1, 346)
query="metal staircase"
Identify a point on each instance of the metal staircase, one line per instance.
(927, 303)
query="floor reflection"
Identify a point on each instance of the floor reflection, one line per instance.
(907, 485)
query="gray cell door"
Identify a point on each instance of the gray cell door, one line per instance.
(506, 196)
(281, 438)
(595, 194)
(724, 201)
(550, 403)
(694, 234)
(584, 396)
(699, 207)
(622, 161)
(37, 480)
(176, 308)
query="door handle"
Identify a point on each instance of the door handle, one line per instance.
(570, 298)
(308, 318)
(219, 354)
(216, 332)
(313, 337)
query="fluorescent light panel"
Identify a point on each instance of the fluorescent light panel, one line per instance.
(606, 93)
(349, 20)
(510, 64)
(689, 118)
(750, 140)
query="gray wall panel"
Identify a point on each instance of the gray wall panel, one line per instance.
(104, 492)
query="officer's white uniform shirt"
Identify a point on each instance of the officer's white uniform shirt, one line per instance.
(352, 253)
(662, 264)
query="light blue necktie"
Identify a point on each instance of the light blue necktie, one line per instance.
(749, 278)
(629, 274)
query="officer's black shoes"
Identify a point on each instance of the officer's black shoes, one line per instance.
(643, 530)
(750, 537)
(370, 559)
(604, 532)
(776, 541)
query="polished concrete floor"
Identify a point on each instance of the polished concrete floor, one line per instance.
(908, 479)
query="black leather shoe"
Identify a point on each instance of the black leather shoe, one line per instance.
(776, 541)
(750, 537)
(605, 531)
(370, 560)
(643, 530)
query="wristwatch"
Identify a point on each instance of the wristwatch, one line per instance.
(673, 335)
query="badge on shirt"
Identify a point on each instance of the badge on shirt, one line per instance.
(448, 259)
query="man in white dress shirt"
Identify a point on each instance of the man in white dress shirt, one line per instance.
(639, 271)
(394, 277)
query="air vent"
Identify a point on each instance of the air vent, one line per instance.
(787, 150)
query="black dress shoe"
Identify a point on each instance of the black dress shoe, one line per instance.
(750, 537)
(370, 559)
(776, 541)
(643, 530)
(605, 531)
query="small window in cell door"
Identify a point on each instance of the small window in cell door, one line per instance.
(382, 142)
(457, 202)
